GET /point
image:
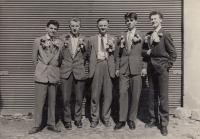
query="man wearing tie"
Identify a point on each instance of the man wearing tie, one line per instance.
(102, 71)
(73, 71)
(160, 56)
(46, 60)
(129, 67)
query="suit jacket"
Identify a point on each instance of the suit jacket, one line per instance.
(76, 64)
(46, 67)
(133, 59)
(163, 53)
(93, 45)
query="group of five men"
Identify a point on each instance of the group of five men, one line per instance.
(128, 57)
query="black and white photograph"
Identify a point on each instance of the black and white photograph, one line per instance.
(99, 69)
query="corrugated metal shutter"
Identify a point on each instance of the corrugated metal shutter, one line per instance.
(21, 21)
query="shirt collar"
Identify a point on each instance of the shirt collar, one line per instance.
(158, 28)
(132, 31)
(74, 36)
(48, 37)
(103, 36)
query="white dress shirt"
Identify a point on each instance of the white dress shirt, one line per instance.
(102, 55)
(74, 41)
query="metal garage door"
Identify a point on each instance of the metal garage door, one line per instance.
(21, 21)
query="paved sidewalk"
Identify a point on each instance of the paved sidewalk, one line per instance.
(178, 129)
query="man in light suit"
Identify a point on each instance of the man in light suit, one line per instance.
(101, 71)
(160, 56)
(130, 67)
(72, 70)
(46, 54)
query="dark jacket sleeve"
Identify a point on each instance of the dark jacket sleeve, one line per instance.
(169, 46)
(117, 52)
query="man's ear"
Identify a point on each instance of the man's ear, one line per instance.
(108, 26)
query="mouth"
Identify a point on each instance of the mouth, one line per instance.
(74, 30)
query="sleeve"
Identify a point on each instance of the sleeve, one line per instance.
(35, 52)
(169, 46)
(117, 52)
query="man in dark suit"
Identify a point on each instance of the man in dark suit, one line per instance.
(160, 56)
(46, 55)
(130, 67)
(73, 71)
(101, 72)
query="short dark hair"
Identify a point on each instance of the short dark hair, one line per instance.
(156, 12)
(75, 19)
(102, 19)
(130, 15)
(53, 22)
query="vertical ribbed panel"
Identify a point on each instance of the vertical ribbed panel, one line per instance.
(21, 21)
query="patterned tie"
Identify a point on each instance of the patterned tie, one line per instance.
(129, 41)
(102, 44)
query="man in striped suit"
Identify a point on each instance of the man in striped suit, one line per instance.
(101, 72)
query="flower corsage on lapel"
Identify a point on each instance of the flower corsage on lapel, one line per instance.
(110, 46)
(81, 45)
(147, 38)
(122, 42)
(157, 37)
(66, 41)
(45, 44)
(136, 39)
(55, 46)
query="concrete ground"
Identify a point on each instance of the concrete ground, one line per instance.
(178, 129)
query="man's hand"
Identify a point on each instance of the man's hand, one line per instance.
(144, 72)
(117, 73)
(149, 52)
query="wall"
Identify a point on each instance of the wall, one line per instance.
(191, 54)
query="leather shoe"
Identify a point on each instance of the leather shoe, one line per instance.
(107, 123)
(151, 124)
(164, 131)
(119, 125)
(54, 129)
(68, 125)
(94, 124)
(34, 130)
(131, 125)
(78, 124)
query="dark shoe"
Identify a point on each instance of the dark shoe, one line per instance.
(107, 123)
(68, 125)
(54, 129)
(164, 131)
(151, 124)
(94, 124)
(119, 125)
(34, 130)
(131, 125)
(78, 124)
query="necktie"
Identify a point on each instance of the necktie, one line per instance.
(102, 44)
(129, 41)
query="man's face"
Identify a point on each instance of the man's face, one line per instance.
(103, 27)
(130, 23)
(52, 30)
(155, 20)
(74, 27)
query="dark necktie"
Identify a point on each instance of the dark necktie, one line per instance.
(102, 44)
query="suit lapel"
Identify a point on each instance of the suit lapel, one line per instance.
(126, 48)
(80, 36)
(133, 46)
